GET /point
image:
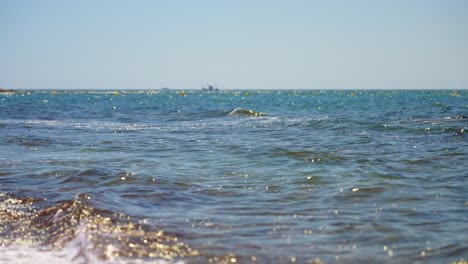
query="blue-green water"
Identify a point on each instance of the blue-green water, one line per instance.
(324, 176)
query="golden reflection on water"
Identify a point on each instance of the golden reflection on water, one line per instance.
(78, 223)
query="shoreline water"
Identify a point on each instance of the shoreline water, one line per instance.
(330, 176)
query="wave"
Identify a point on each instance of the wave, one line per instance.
(73, 231)
(244, 112)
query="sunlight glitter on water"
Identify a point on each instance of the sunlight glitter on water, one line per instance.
(323, 175)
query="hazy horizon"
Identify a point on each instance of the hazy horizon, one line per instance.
(235, 89)
(298, 44)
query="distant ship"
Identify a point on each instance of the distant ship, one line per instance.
(210, 88)
(6, 91)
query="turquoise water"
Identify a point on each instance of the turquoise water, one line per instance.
(324, 176)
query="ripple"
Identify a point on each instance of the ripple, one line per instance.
(91, 233)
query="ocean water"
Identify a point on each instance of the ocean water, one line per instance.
(233, 177)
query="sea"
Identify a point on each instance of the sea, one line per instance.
(234, 176)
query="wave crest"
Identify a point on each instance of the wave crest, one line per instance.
(244, 112)
(83, 232)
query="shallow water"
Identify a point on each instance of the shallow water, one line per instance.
(154, 176)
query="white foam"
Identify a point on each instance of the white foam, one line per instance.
(79, 250)
(52, 123)
(29, 255)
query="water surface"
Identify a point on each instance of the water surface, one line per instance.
(148, 176)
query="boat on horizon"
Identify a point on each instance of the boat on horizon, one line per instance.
(210, 88)
(7, 91)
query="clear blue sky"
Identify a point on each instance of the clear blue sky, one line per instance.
(296, 44)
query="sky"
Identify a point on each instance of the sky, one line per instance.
(242, 44)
